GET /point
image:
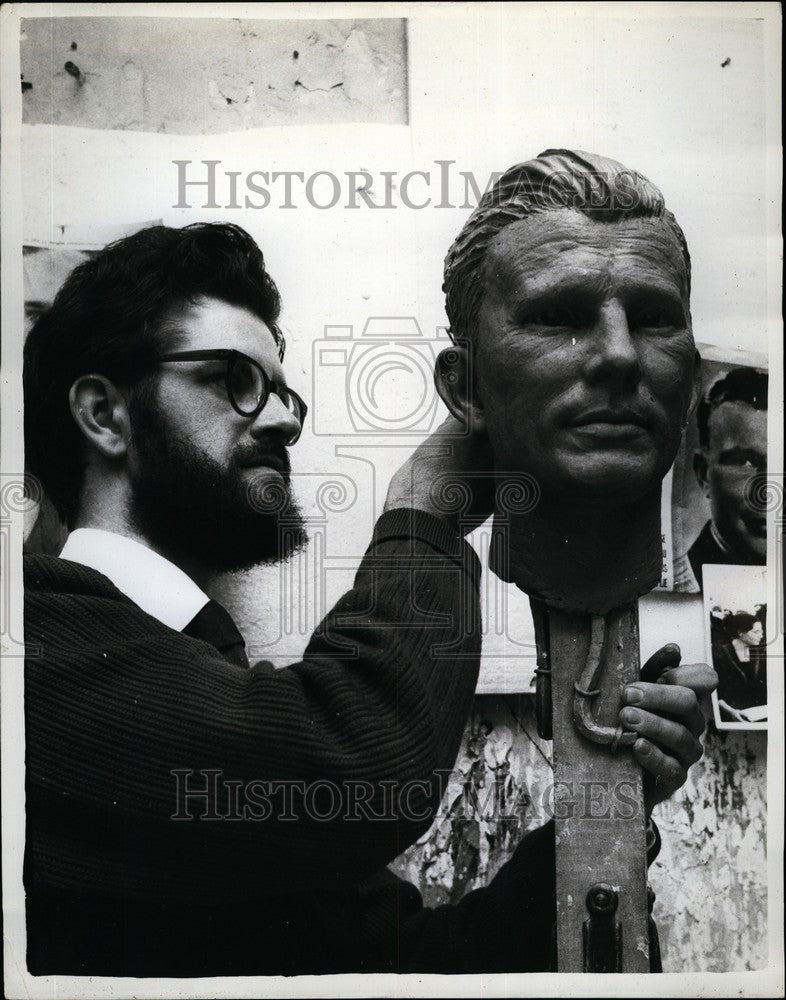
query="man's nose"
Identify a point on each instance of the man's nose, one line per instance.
(275, 417)
(613, 353)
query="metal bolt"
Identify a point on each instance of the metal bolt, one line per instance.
(602, 899)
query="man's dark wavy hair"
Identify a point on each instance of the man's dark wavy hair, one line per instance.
(106, 319)
(741, 385)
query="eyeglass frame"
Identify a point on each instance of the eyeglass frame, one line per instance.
(271, 386)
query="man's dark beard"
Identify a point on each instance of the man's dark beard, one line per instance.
(191, 507)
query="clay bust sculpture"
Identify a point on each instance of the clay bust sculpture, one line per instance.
(568, 296)
(568, 293)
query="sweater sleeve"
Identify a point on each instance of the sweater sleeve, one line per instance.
(149, 757)
(506, 926)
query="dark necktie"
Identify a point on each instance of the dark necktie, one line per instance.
(214, 624)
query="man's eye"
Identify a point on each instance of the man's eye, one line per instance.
(218, 380)
(744, 461)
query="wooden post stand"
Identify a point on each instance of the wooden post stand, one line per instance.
(602, 898)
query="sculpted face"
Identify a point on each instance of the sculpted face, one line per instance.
(585, 361)
(737, 451)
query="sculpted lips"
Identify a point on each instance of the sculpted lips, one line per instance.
(610, 422)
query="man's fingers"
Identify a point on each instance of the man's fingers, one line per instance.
(666, 710)
(679, 703)
(665, 658)
(699, 677)
(674, 738)
(667, 773)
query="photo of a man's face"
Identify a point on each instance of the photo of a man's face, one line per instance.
(716, 519)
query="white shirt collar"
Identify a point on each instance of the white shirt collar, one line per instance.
(159, 587)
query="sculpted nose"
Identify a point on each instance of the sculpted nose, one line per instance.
(613, 356)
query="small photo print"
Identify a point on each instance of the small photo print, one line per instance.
(717, 516)
(735, 619)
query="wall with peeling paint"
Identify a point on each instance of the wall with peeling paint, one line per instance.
(210, 75)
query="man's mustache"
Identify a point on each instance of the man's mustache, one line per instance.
(269, 455)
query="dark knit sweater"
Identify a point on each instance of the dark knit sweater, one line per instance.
(127, 876)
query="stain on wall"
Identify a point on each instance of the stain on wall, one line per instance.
(206, 75)
(710, 878)
(499, 790)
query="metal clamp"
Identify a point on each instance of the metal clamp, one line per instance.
(602, 931)
(586, 690)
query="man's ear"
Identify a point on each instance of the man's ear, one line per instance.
(101, 414)
(453, 377)
(700, 469)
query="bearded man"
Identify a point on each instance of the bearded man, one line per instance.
(159, 419)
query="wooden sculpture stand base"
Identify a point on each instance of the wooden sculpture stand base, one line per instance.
(602, 904)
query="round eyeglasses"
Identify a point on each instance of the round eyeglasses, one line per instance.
(247, 383)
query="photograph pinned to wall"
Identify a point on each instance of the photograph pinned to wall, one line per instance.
(735, 621)
(714, 510)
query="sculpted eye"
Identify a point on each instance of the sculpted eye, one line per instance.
(655, 318)
(553, 316)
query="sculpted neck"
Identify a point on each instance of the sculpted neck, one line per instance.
(580, 557)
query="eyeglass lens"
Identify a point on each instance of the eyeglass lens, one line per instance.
(247, 385)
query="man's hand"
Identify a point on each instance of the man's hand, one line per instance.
(450, 475)
(670, 717)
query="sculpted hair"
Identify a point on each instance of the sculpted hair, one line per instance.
(556, 179)
(741, 385)
(106, 319)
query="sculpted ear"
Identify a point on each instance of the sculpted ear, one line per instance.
(101, 414)
(455, 384)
